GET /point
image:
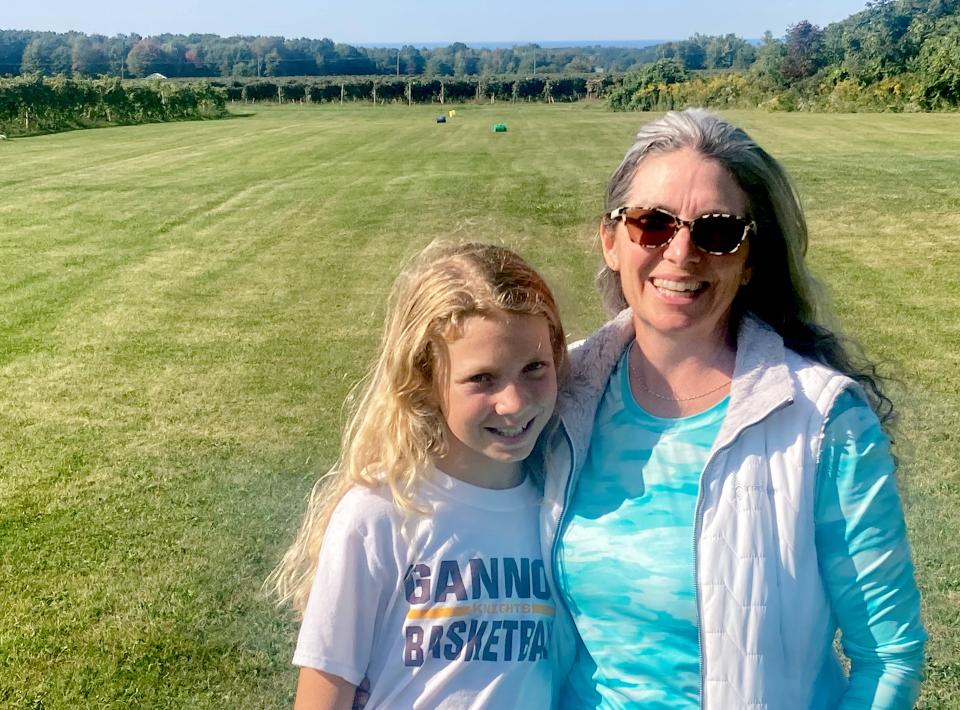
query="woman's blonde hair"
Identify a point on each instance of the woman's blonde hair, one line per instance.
(394, 424)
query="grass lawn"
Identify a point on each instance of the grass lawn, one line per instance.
(184, 306)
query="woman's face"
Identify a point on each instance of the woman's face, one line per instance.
(678, 290)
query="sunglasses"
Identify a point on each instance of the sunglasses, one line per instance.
(652, 227)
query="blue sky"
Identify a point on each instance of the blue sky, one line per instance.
(413, 21)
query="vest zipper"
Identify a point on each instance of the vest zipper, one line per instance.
(563, 509)
(696, 581)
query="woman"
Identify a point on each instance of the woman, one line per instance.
(721, 494)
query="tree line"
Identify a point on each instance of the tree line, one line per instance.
(893, 55)
(207, 55)
(888, 37)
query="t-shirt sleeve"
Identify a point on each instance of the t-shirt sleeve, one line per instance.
(864, 557)
(350, 589)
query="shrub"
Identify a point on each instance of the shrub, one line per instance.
(35, 104)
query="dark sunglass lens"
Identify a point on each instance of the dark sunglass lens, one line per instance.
(720, 234)
(650, 228)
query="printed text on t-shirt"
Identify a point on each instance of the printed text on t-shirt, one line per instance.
(508, 602)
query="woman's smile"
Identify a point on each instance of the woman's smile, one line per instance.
(678, 288)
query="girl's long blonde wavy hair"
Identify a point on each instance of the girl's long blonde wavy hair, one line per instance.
(394, 424)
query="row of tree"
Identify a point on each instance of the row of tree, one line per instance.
(883, 39)
(666, 85)
(889, 38)
(31, 104)
(903, 54)
(41, 104)
(894, 55)
(419, 89)
(207, 55)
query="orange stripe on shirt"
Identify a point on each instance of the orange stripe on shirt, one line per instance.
(446, 612)
(439, 613)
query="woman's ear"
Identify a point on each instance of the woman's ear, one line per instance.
(608, 242)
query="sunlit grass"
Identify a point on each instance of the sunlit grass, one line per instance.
(184, 306)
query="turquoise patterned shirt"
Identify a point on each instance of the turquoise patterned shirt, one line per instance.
(626, 559)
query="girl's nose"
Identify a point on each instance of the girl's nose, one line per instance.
(512, 399)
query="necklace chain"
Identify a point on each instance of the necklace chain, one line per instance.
(643, 385)
(646, 389)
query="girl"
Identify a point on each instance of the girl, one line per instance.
(418, 566)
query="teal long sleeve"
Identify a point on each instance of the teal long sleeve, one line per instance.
(864, 557)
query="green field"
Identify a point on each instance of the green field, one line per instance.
(184, 306)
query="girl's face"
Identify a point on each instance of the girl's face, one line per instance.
(500, 392)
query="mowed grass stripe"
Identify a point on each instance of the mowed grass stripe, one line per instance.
(183, 308)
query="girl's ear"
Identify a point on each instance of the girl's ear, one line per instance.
(608, 242)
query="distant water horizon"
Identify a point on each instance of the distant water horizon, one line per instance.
(546, 44)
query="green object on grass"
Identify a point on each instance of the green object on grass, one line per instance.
(500, 128)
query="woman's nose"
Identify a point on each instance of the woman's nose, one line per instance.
(681, 249)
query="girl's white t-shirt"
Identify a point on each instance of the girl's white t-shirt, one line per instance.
(450, 609)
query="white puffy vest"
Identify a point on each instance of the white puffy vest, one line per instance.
(766, 628)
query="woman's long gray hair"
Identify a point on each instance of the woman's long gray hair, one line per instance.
(782, 292)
